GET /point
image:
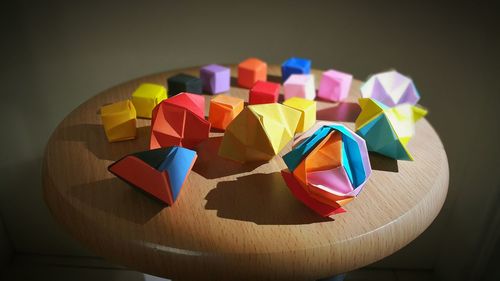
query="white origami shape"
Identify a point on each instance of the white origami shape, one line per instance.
(390, 88)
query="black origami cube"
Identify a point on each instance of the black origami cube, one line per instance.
(183, 83)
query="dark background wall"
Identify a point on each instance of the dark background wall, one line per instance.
(56, 54)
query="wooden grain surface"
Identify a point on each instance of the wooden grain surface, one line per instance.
(233, 221)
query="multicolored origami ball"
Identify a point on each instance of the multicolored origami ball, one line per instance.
(328, 169)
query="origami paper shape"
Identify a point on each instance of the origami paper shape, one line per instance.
(390, 88)
(264, 92)
(331, 167)
(193, 102)
(160, 172)
(295, 66)
(307, 109)
(250, 71)
(119, 121)
(215, 78)
(183, 83)
(387, 130)
(334, 85)
(299, 85)
(146, 97)
(223, 109)
(179, 121)
(259, 132)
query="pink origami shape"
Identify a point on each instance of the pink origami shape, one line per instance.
(334, 85)
(390, 88)
(299, 85)
(179, 121)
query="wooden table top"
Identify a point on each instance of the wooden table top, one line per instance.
(235, 221)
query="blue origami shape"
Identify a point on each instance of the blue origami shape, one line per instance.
(354, 160)
(159, 172)
(295, 66)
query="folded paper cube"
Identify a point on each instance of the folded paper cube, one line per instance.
(223, 109)
(160, 172)
(264, 92)
(183, 83)
(215, 78)
(334, 85)
(295, 66)
(328, 168)
(259, 132)
(250, 71)
(195, 103)
(119, 121)
(387, 130)
(146, 97)
(299, 85)
(390, 88)
(177, 125)
(307, 109)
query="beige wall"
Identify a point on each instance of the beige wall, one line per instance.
(61, 53)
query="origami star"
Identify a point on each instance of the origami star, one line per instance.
(390, 88)
(328, 169)
(259, 132)
(387, 130)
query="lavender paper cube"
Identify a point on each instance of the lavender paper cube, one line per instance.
(215, 78)
(299, 85)
(390, 88)
(334, 85)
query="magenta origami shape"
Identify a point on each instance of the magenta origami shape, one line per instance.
(390, 88)
(334, 85)
(215, 78)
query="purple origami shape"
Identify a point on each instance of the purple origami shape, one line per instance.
(334, 85)
(215, 78)
(390, 88)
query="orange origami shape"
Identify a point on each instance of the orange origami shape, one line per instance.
(223, 109)
(250, 71)
(179, 121)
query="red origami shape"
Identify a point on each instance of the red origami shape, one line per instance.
(297, 190)
(264, 92)
(179, 121)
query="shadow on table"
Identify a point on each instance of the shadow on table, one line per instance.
(342, 111)
(383, 163)
(94, 138)
(128, 203)
(259, 198)
(211, 166)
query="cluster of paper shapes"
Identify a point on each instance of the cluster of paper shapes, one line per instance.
(179, 121)
(160, 172)
(390, 88)
(328, 169)
(387, 130)
(259, 132)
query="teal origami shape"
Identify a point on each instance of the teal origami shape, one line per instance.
(387, 130)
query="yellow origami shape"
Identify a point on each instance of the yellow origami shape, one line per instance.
(307, 109)
(119, 121)
(387, 130)
(259, 132)
(146, 97)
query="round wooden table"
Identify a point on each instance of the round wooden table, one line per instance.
(234, 221)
